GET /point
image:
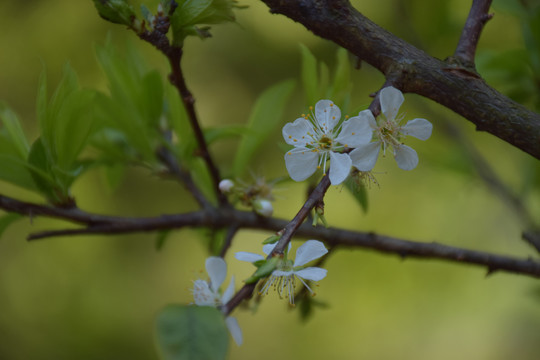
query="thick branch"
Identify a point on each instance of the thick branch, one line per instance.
(478, 16)
(414, 71)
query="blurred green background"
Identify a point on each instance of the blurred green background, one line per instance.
(96, 297)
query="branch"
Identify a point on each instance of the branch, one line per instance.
(478, 16)
(102, 224)
(158, 38)
(183, 176)
(414, 71)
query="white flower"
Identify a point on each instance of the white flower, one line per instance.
(206, 293)
(283, 277)
(263, 207)
(317, 139)
(389, 133)
(226, 185)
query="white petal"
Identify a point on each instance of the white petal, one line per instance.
(327, 114)
(228, 294)
(355, 132)
(406, 157)
(247, 256)
(267, 248)
(310, 250)
(217, 271)
(364, 157)
(301, 163)
(419, 128)
(391, 99)
(234, 330)
(340, 167)
(202, 294)
(312, 273)
(296, 133)
(367, 115)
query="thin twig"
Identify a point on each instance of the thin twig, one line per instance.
(231, 232)
(177, 79)
(468, 42)
(183, 176)
(158, 38)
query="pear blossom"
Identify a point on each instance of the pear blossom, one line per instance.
(206, 293)
(389, 133)
(318, 138)
(283, 278)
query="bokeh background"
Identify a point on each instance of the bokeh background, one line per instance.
(96, 297)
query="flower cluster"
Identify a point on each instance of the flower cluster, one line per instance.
(282, 278)
(320, 137)
(257, 195)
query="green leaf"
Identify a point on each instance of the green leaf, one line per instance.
(358, 190)
(135, 105)
(265, 117)
(310, 79)
(40, 169)
(7, 220)
(342, 84)
(265, 269)
(161, 238)
(190, 14)
(115, 11)
(14, 130)
(191, 332)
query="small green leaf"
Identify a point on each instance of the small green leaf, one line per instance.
(310, 79)
(191, 332)
(264, 270)
(162, 238)
(342, 84)
(115, 11)
(358, 190)
(40, 169)
(265, 117)
(14, 130)
(7, 220)
(272, 239)
(190, 14)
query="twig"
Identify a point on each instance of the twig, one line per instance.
(177, 79)
(158, 38)
(478, 16)
(316, 195)
(231, 232)
(183, 176)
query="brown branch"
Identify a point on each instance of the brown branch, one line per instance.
(183, 176)
(101, 224)
(478, 16)
(177, 79)
(158, 38)
(414, 71)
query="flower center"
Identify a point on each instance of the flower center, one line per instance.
(325, 142)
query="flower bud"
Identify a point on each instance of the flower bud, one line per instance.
(226, 185)
(263, 207)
